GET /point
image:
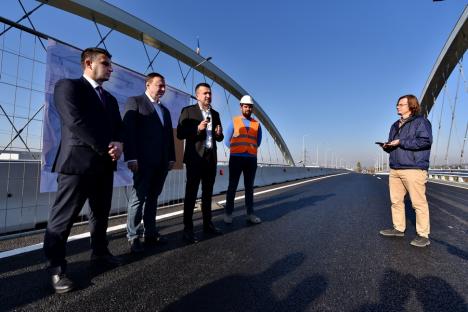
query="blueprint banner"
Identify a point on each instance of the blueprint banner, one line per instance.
(64, 62)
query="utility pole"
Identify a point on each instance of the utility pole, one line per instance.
(317, 157)
(303, 149)
(463, 145)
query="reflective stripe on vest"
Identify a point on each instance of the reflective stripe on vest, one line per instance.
(243, 140)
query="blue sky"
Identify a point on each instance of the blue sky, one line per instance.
(331, 70)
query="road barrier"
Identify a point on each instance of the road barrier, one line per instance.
(23, 207)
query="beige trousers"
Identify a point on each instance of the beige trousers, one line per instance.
(412, 181)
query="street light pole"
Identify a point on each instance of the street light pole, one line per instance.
(202, 62)
(303, 149)
(326, 158)
(316, 163)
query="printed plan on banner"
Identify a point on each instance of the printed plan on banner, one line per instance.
(64, 62)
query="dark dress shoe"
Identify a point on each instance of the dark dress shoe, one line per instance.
(211, 229)
(61, 283)
(136, 246)
(106, 259)
(189, 237)
(155, 241)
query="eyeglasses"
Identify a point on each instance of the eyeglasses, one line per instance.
(400, 105)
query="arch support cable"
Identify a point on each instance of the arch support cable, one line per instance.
(27, 14)
(150, 60)
(23, 17)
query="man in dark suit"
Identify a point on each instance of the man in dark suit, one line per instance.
(149, 150)
(200, 126)
(86, 159)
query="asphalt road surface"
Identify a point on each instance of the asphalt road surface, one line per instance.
(318, 249)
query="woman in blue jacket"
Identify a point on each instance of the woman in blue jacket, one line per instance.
(409, 146)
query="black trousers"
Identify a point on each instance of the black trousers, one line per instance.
(204, 171)
(72, 193)
(248, 167)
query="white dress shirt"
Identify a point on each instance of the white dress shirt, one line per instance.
(94, 84)
(157, 108)
(209, 127)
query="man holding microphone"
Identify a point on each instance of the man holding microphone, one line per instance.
(200, 126)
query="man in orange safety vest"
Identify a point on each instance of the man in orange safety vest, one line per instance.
(243, 138)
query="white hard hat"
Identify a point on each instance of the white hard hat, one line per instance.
(247, 99)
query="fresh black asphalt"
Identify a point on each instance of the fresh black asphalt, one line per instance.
(318, 249)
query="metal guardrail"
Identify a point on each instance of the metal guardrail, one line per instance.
(448, 177)
(459, 172)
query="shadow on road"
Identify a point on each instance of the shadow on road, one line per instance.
(271, 209)
(432, 292)
(254, 292)
(24, 280)
(452, 249)
(31, 286)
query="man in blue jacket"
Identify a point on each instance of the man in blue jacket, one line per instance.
(409, 145)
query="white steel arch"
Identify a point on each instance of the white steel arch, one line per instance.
(108, 15)
(453, 51)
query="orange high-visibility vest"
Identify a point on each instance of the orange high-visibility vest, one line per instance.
(244, 141)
